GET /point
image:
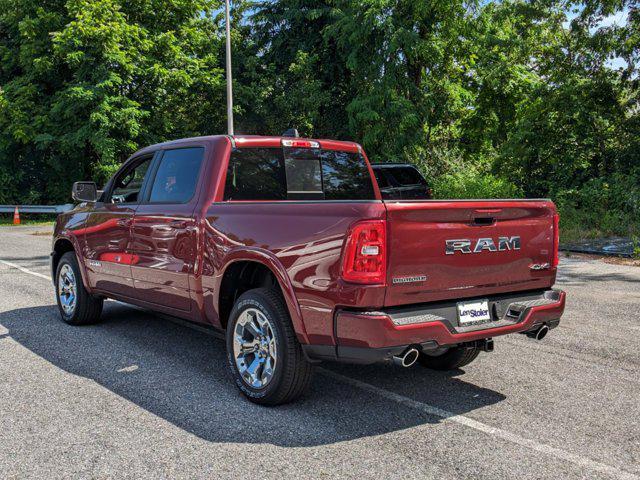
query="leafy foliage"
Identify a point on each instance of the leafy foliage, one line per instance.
(601, 207)
(488, 99)
(85, 83)
(473, 184)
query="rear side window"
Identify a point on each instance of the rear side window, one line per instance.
(177, 176)
(297, 174)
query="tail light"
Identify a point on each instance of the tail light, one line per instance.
(556, 240)
(365, 254)
(300, 143)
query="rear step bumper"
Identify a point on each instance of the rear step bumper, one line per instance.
(369, 337)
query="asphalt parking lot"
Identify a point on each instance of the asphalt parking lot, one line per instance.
(141, 397)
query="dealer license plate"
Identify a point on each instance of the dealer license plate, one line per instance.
(473, 313)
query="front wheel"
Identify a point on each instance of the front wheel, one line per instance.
(263, 353)
(76, 305)
(455, 357)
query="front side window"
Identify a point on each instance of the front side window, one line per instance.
(177, 176)
(128, 184)
(297, 174)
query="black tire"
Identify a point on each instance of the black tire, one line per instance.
(87, 307)
(292, 372)
(455, 357)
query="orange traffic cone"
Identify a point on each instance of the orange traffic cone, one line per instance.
(16, 217)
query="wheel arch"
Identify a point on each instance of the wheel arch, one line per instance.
(61, 246)
(254, 263)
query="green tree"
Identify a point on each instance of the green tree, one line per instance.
(297, 77)
(87, 82)
(557, 106)
(407, 61)
(493, 98)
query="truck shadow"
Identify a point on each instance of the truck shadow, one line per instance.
(179, 374)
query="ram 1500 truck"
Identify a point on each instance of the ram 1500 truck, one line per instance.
(286, 246)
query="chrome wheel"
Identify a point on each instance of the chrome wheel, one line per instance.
(67, 291)
(254, 348)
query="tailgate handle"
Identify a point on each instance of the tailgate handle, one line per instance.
(484, 221)
(488, 210)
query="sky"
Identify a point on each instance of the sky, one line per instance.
(618, 19)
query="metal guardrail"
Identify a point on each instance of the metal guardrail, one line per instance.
(52, 209)
(616, 247)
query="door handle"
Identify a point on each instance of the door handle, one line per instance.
(124, 222)
(178, 224)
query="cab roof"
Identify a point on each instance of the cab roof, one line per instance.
(260, 141)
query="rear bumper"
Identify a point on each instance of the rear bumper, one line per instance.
(369, 337)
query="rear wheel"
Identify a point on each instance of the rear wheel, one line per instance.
(263, 353)
(455, 357)
(76, 305)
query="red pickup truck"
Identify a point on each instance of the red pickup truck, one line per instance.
(286, 245)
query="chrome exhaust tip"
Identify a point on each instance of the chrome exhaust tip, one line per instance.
(408, 358)
(542, 332)
(539, 333)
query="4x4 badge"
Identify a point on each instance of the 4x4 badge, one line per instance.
(540, 266)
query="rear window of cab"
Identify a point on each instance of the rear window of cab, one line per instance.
(290, 173)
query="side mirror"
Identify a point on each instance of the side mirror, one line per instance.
(84, 192)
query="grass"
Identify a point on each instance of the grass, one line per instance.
(636, 247)
(31, 220)
(576, 225)
(577, 233)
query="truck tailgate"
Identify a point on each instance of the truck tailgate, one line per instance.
(485, 259)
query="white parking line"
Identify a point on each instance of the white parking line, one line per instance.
(447, 416)
(578, 460)
(25, 270)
